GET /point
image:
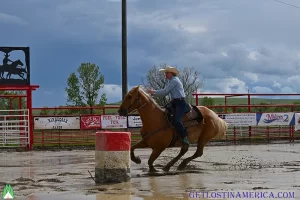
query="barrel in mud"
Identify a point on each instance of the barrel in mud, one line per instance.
(112, 157)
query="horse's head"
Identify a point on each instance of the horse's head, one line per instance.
(132, 101)
(19, 62)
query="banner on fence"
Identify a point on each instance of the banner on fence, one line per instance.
(113, 121)
(134, 122)
(239, 119)
(270, 119)
(297, 121)
(90, 122)
(56, 122)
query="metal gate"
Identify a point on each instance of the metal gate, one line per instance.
(14, 128)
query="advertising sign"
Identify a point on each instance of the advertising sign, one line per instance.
(297, 121)
(239, 119)
(90, 122)
(113, 121)
(270, 119)
(134, 122)
(56, 122)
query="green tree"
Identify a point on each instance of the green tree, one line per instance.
(188, 75)
(103, 100)
(7, 103)
(45, 111)
(83, 89)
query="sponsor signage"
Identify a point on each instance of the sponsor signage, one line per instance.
(56, 122)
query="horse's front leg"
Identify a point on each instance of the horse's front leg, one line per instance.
(8, 75)
(22, 76)
(138, 145)
(154, 155)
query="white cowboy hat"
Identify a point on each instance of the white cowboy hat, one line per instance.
(170, 69)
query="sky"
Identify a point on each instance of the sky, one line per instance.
(236, 45)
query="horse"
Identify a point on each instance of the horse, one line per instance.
(17, 71)
(10, 67)
(158, 133)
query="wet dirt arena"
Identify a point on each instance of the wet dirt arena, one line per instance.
(64, 174)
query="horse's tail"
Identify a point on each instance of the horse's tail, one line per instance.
(220, 125)
(223, 128)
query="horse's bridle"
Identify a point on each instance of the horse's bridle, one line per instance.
(137, 98)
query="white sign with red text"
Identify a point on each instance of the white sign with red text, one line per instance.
(113, 121)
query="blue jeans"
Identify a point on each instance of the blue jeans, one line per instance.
(179, 106)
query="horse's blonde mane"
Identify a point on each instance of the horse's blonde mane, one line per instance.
(149, 97)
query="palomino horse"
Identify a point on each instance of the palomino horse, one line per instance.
(158, 134)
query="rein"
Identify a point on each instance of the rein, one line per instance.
(137, 98)
(137, 109)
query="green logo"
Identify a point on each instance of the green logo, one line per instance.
(8, 192)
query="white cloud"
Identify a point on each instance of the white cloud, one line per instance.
(287, 90)
(294, 80)
(251, 76)
(276, 84)
(193, 29)
(113, 92)
(253, 55)
(262, 90)
(6, 18)
(224, 54)
(231, 85)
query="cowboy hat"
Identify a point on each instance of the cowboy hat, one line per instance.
(170, 69)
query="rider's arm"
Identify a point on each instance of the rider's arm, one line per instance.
(167, 89)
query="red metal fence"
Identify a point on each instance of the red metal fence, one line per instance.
(59, 137)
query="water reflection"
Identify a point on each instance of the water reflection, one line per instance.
(173, 187)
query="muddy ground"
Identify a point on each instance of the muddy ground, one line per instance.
(64, 174)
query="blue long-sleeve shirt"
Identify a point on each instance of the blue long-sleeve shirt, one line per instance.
(173, 87)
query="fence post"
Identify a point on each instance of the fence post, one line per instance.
(268, 134)
(234, 135)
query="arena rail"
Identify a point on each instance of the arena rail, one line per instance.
(74, 126)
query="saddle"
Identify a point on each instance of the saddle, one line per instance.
(192, 116)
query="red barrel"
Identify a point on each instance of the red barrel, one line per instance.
(112, 157)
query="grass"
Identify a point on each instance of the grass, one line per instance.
(240, 101)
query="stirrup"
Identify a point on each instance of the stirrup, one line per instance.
(186, 141)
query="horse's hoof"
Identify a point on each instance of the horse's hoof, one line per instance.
(137, 160)
(166, 169)
(153, 170)
(181, 167)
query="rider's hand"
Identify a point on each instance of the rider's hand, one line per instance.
(150, 91)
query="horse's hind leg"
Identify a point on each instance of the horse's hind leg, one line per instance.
(183, 150)
(202, 141)
(139, 144)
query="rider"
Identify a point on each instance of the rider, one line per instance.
(6, 59)
(175, 88)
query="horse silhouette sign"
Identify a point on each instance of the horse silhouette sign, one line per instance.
(15, 66)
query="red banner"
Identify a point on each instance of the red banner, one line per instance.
(90, 122)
